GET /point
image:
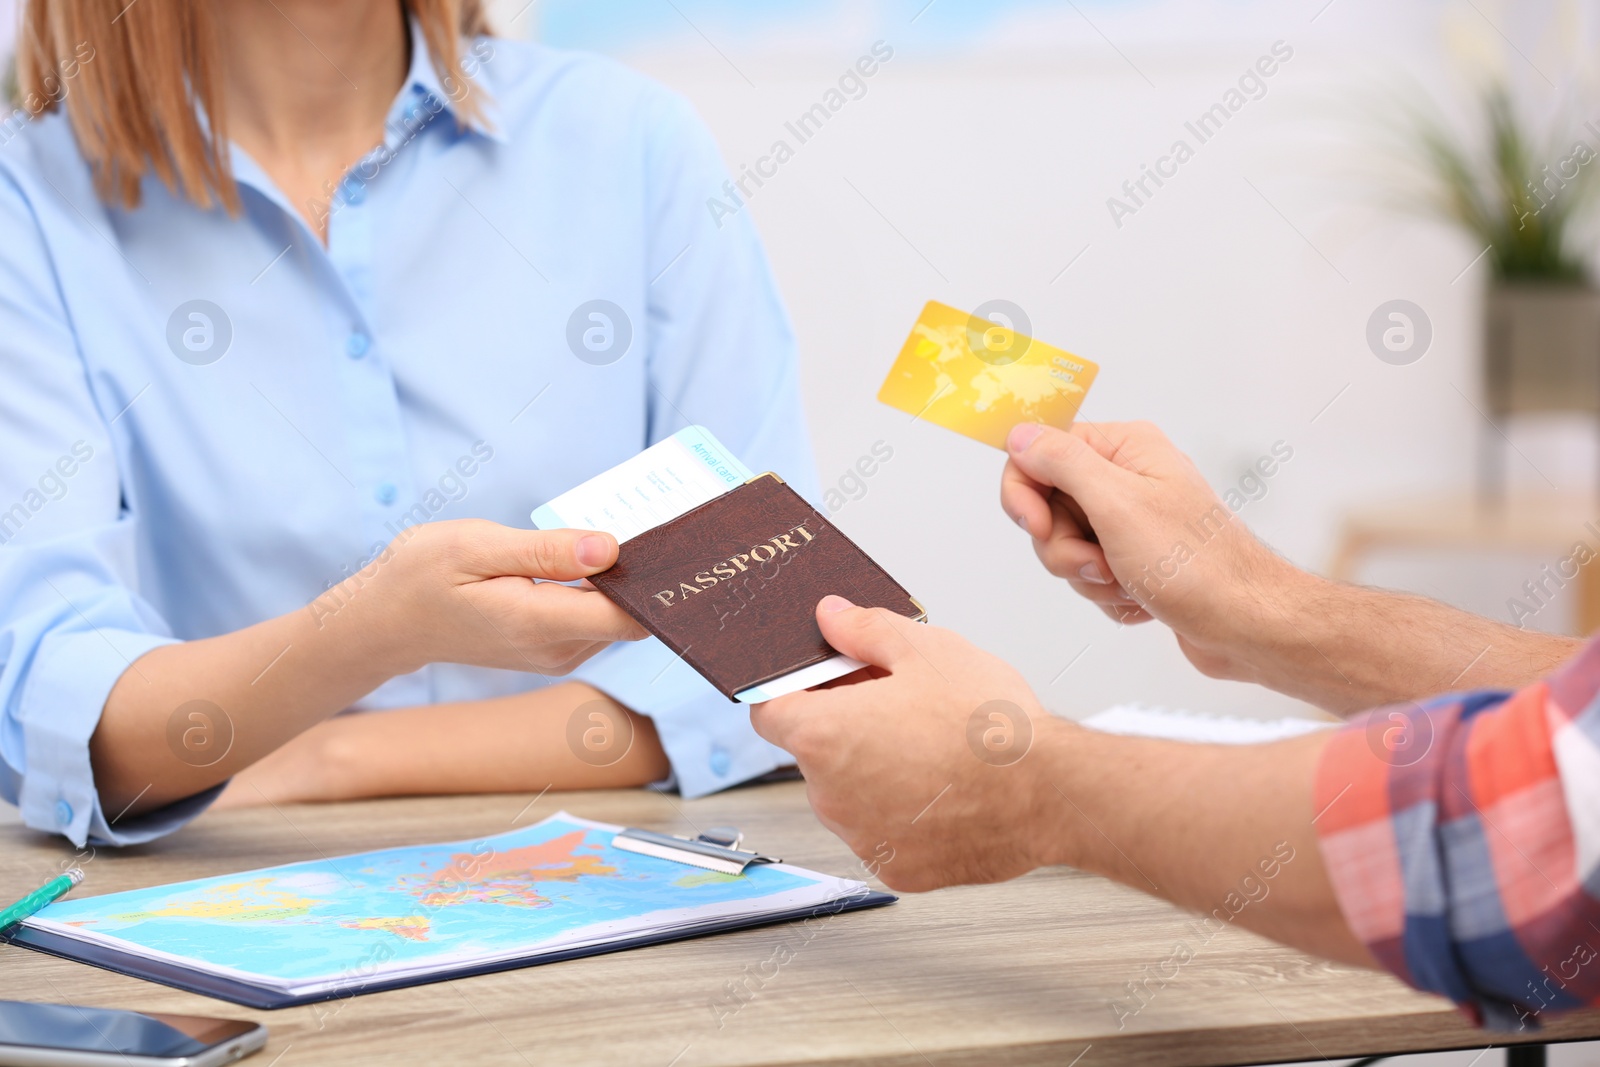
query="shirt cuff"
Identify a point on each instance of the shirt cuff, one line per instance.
(1388, 858)
(65, 693)
(707, 737)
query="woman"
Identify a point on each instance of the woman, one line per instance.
(303, 307)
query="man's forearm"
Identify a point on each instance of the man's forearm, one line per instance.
(1348, 648)
(1226, 831)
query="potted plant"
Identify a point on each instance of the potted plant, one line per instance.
(1519, 199)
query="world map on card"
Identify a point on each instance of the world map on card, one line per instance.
(402, 908)
(980, 378)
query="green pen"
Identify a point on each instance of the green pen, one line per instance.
(51, 891)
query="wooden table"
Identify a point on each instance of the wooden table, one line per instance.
(1547, 524)
(1024, 972)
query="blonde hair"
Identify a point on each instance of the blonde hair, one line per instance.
(143, 73)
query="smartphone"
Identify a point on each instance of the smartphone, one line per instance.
(64, 1035)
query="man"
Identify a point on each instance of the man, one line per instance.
(1455, 842)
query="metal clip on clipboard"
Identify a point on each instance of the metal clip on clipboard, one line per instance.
(715, 850)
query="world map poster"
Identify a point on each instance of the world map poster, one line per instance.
(344, 922)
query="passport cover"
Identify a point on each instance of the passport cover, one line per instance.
(733, 585)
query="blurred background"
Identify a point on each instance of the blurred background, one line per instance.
(1247, 301)
(1363, 262)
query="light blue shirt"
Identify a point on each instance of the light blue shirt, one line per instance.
(172, 470)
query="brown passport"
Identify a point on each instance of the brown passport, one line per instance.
(732, 586)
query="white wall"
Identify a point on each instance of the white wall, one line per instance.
(1230, 310)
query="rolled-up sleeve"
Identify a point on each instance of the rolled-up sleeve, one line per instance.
(71, 620)
(721, 354)
(1462, 838)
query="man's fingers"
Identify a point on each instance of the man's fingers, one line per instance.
(871, 635)
(1025, 500)
(875, 636)
(1042, 510)
(1066, 461)
(1107, 438)
(1070, 520)
(779, 721)
(1129, 445)
(1127, 614)
(1113, 595)
(1075, 560)
(1083, 564)
(552, 555)
(772, 720)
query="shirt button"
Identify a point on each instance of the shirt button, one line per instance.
(357, 344)
(720, 761)
(63, 814)
(386, 493)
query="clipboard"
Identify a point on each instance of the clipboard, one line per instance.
(716, 849)
(212, 973)
(254, 996)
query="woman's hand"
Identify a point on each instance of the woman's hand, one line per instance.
(472, 591)
(523, 743)
(468, 591)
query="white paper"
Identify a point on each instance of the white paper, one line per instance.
(1135, 720)
(666, 480)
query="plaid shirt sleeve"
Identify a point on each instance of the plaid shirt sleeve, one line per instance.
(1462, 837)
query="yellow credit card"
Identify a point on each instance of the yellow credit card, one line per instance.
(979, 375)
